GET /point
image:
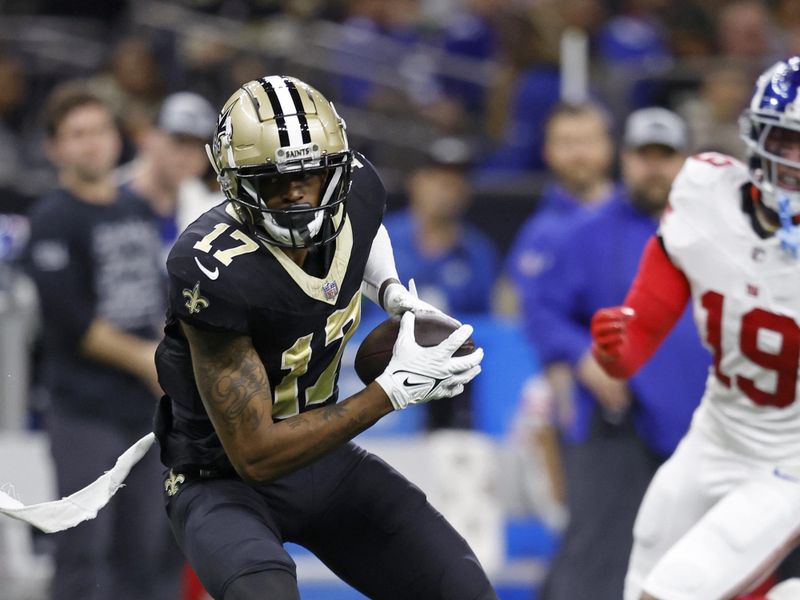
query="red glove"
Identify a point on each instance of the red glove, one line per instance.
(610, 332)
(657, 297)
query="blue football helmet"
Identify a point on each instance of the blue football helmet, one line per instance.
(775, 106)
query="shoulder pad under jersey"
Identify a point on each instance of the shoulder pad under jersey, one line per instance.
(701, 173)
(703, 196)
(706, 184)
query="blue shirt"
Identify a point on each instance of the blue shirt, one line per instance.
(593, 266)
(538, 91)
(459, 280)
(532, 250)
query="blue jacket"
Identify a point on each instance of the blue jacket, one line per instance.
(534, 244)
(593, 265)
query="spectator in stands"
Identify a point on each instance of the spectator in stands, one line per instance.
(453, 263)
(521, 99)
(531, 84)
(12, 95)
(14, 199)
(17, 185)
(713, 113)
(165, 174)
(24, 171)
(578, 151)
(618, 434)
(471, 34)
(469, 39)
(375, 36)
(386, 63)
(133, 85)
(633, 49)
(94, 254)
(786, 13)
(13, 230)
(688, 25)
(634, 37)
(172, 153)
(745, 32)
(209, 61)
(196, 195)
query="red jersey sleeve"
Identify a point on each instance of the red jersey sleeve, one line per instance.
(658, 296)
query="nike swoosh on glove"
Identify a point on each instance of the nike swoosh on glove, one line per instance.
(397, 300)
(417, 374)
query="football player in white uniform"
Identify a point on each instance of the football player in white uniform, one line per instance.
(725, 509)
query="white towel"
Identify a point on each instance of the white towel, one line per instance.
(83, 504)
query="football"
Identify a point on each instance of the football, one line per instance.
(375, 351)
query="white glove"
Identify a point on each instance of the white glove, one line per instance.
(397, 300)
(416, 374)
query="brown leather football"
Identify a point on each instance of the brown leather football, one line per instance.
(375, 351)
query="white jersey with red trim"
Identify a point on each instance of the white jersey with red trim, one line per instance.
(746, 301)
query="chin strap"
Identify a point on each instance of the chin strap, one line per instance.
(297, 223)
(789, 233)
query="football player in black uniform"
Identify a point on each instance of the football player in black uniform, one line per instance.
(265, 291)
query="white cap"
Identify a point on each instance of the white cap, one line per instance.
(186, 113)
(656, 125)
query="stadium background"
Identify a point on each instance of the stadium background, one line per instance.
(404, 74)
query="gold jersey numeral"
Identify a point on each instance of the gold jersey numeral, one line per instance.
(296, 359)
(334, 330)
(247, 245)
(286, 401)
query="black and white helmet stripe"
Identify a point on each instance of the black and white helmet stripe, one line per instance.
(290, 115)
(301, 114)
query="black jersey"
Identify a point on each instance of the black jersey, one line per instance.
(222, 277)
(95, 261)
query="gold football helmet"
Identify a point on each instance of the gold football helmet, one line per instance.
(279, 127)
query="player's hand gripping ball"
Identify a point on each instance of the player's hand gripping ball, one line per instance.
(375, 351)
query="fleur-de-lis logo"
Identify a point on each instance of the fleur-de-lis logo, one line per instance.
(194, 301)
(173, 483)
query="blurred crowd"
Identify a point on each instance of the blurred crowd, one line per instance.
(404, 74)
(401, 72)
(496, 124)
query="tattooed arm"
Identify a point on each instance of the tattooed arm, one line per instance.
(235, 390)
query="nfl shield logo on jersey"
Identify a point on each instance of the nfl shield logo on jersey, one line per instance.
(330, 289)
